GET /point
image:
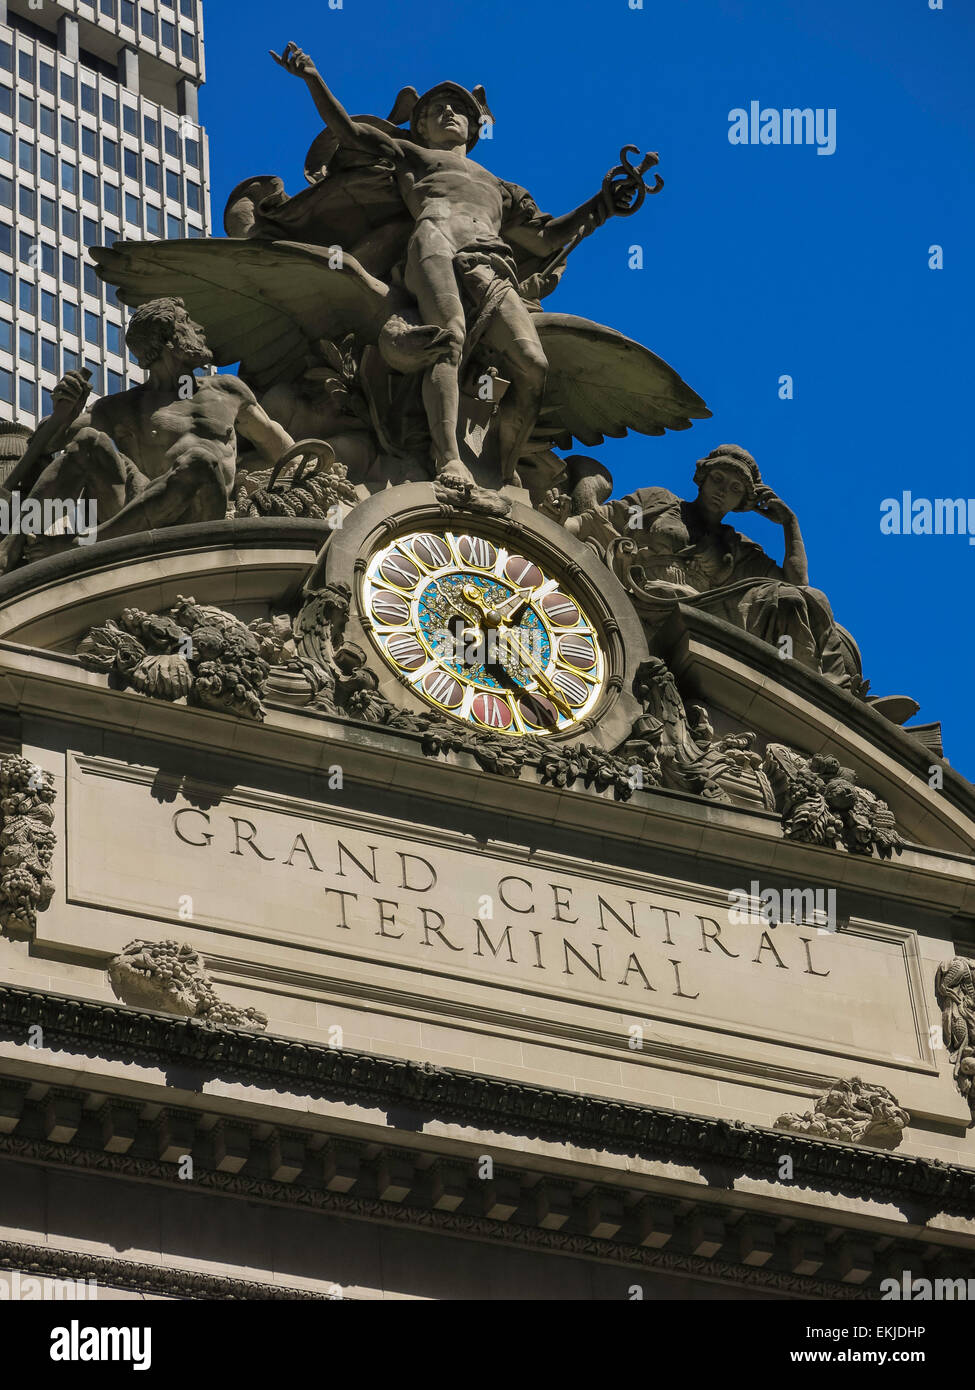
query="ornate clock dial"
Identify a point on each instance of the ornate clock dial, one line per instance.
(482, 633)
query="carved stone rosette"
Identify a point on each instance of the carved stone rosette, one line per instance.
(855, 1111)
(26, 843)
(171, 977)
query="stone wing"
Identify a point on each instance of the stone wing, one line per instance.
(356, 205)
(601, 383)
(262, 304)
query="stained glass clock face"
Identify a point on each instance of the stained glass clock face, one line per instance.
(482, 633)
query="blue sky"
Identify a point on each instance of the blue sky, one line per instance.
(759, 261)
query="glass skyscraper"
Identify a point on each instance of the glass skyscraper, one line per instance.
(99, 139)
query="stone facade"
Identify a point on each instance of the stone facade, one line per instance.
(402, 861)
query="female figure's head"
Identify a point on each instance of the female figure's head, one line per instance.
(726, 481)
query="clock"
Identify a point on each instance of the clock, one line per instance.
(483, 631)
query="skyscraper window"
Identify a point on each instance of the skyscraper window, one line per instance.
(62, 118)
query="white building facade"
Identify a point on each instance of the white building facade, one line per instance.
(99, 140)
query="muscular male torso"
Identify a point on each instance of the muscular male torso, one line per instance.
(463, 202)
(157, 432)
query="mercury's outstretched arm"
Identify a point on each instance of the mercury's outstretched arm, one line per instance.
(331, 110)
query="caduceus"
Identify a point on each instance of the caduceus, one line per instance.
(624, 188)
(627, 179)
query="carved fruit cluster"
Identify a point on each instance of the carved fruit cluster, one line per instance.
(195, 652)
(855, 1111)
(170, 975)
(26, 842)
(822, 803)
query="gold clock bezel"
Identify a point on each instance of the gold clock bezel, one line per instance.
(483, 701)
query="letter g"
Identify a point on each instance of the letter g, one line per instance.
(191, 811)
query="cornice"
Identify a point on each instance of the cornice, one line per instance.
(45, 1262)
(458, 1097)
(185, 1284)
(249, 532)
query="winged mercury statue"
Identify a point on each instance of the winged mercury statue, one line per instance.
(393, 307)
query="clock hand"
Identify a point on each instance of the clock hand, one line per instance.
(545, 684)
(503, 612)
(545, 589)
(494, 615)
(529, 596)
(452, 603)
(474, 631)
(490, 617)
(519, 596)
(542, 680)
(493, 618)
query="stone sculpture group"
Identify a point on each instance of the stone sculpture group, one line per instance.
(391, 317)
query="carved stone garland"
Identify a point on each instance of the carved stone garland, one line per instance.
(823, 804)
(211, 659)
(954, 987)
(26, 843)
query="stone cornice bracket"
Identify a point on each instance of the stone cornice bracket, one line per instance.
(26, 844)
(448, 1192)
(43, 1261)
(456, 1097)
(854, 1112)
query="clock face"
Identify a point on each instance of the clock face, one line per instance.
(482, 633)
